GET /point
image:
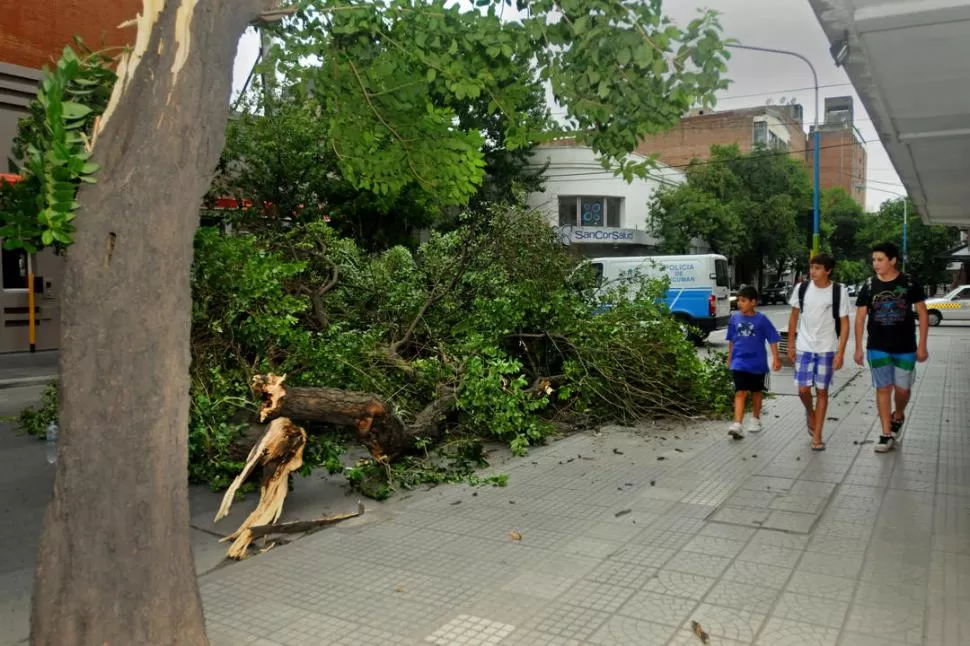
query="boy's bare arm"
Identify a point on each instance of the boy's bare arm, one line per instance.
(776, 357)
(843, 342)
(792, 331)
(860, 326)
(730, 350)
(924, 331)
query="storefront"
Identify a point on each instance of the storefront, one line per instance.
(598, 242)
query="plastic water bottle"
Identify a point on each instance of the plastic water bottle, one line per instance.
(52, 443)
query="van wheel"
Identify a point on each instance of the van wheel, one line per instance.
(691, 333)
(935, 317)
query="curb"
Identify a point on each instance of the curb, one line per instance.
(20, 382)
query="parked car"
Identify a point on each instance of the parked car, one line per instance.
(853, 290)
(776, 293)
(955, 306)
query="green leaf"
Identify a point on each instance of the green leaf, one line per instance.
(74, 110)
(60, 236)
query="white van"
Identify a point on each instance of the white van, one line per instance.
(699, 285)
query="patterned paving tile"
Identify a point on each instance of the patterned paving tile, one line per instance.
(474, 631)
(658, 608)
(727, 622)
(629, 631)
(783, 632)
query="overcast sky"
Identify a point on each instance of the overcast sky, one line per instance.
(757, 77)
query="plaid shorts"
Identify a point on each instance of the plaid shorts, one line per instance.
(814, 369)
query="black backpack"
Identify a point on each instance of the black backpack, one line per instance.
(836, 303)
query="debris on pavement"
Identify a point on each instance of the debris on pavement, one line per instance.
(701, 634)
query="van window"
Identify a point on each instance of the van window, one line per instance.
(598, 272)
(721, 271)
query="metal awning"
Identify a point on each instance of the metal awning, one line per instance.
(908, 60)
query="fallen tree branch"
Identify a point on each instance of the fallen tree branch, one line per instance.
(436, 293)
(377, 426)
(545, 385)
(303, 525)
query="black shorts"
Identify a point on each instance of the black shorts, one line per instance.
(751, 382)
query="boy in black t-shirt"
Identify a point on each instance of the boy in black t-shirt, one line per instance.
(888, 300)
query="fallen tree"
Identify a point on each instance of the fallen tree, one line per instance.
(511, 348)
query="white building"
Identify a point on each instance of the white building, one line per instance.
(597, 212)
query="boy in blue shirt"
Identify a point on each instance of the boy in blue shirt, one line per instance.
(748, 331)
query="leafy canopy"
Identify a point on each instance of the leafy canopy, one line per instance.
(742, 205)
(392, 76)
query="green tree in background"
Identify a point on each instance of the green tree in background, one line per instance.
(926, 242)
(744, 206)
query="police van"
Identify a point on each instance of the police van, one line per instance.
(699, 285)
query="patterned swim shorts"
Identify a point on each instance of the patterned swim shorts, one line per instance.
(888, 369)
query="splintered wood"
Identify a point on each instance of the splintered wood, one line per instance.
(279, 452)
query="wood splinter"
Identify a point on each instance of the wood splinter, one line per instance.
(279, 452)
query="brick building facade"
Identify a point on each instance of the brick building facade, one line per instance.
(842, 152)
(842, 160)
(32, 35)
(693, 137)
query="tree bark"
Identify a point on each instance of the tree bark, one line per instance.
(114, 563)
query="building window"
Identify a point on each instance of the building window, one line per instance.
(760, 133)
(776, 142)
(14, 264)
(590, 211)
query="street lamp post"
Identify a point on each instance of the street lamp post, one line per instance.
(816, 139)
(905, 232)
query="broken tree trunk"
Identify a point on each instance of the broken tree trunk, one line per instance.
(279, 452)
(377, 427)
(280, 449)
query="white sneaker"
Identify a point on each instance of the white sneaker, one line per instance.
(754, 426)
(735, 431)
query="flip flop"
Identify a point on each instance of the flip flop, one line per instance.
(820, 447)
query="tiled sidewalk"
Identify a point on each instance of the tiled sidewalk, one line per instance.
(628, 536)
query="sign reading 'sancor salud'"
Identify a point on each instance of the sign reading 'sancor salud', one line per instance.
(602, 235)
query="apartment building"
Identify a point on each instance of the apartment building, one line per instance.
(842, 152)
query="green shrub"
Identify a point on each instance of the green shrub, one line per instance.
(34, 420)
